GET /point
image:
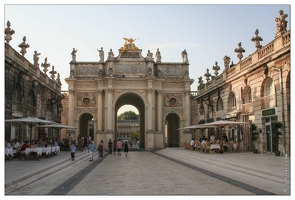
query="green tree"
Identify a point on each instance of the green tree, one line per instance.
(128, 115)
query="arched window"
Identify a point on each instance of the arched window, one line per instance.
(269, 94)
(248, 97)
(232, 100)
(219, 104)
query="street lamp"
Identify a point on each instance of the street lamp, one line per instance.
(282, 104)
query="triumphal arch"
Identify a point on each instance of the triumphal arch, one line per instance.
(159, 90)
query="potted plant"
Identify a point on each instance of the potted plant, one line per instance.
(276, 136)
(254, 137)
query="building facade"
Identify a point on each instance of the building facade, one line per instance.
(255, 90)
(160, 91)
(29, 92)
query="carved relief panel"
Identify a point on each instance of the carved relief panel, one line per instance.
(86, 100)
(172, 100)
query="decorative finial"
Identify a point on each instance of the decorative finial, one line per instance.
(216, 68)
(45, 65)
(257, 40)
(24, 46)
(239, 51)
(52, 72)
(207, 75)
(8, 33)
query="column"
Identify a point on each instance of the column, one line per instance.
(160, 111)
(110, 114)
(99, 110)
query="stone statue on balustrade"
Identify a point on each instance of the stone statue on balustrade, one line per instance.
(149, 56)
(158, 56)
(281, 23)
(184, 56)
(36, 58)
(101, 54)
(226, 61)
(74, 54)
(111, 55)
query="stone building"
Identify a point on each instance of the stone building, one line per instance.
(255, 90)
(29, 91)
(160, 91)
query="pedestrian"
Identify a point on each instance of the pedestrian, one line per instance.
(100, 149)
(91, 149)
(119, 147)
(85, 142)
(73, 151)
(115, 145)
(126, 148)
(110, 145)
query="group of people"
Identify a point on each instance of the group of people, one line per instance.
(21, 146)
(205, 144)
(118, 146)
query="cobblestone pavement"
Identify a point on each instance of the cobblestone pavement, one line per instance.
(172, 171)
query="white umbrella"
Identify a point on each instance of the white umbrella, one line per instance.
(30, 121)
(56, 126)
(195, 127)
(223, 123)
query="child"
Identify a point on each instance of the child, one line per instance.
(73, 151)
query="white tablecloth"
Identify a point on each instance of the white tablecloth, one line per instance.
(215, 146)
(46, 150)
(235, 146)
(9, 151)
(37, 150)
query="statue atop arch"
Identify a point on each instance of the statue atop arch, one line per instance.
(128, 45)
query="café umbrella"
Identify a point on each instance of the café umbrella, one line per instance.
(195, 127)
(223, 123)
(56, 126)
(30, 121)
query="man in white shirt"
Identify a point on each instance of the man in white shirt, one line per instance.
(212, 138)
(192, 144)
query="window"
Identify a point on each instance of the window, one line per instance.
(219, 104)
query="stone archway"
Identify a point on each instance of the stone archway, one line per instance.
(173, 138)
(136, 101)
(85, 125)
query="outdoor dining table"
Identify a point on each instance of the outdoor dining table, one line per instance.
(215, 146)
(9, 151)
(46, 150)
(36, 150)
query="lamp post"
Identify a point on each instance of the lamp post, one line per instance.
(282, 105)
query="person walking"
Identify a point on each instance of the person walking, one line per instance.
(91, 149)
(115, 146)
(119, 147)
(73, 151)
(110, 145)
(100, 150)
(126, 148)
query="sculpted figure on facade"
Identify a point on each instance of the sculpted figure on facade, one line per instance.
(226, 61)
(110, 72)
(101, 54)
(111, 55)
(36, 58)
(74, 54)
(281, 22)
(184, 56)
(239, 51)
(257, 40)
(58, 79)
(8, 33)
(149, 55)
(129, 45)
(158, 56)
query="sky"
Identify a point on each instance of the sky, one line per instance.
(208, 32)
